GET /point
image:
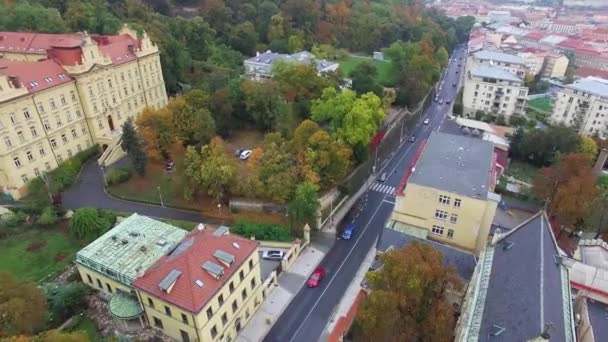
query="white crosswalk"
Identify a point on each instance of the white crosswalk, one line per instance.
(383, 188)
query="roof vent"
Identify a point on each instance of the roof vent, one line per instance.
(161, 242)
(114, 238)
(236, 245)
(200, 226)
(134, 234)
(143, 248)
(214, 269)
(199, 283)
(169, 281)
(124, 241)
(507, 245)
(224, 257)
(496, 330)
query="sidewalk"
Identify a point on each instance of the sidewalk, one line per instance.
(291, 281)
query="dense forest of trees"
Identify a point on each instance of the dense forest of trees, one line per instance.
(207, 51)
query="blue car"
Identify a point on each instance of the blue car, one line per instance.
(348, 232)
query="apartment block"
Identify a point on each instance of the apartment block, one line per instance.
(448, 195)
(62, 93)
(583, 105)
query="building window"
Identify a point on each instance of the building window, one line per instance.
(167, 311)
(444, 199)
(47, 126)
(29, 155)
(224, 318)
(24, 179)
(252, 283)
(150, 302)
(244, 294)
(17, 162)
(36, 172)
(437, 230)
(242, 275)
(62, 99)
(59, 158)
(72, 95)
(99, 284)
(220, 299)
(185, 336)
(457, 202)
(213, 331)
(231, 287)
(99, 124)
(42, 151)
(21, 136)
(33, 131)
(440, 214)
(13, 118)
(209, 312)
(109, 288)
(7, 142)
(58, 120)
(47, 166)
(453, 218)
(89, 279)
(26, 114)
(110, 83)
(184, 319)
(83, 128)
(450, 233)
(234, 306)
(69, 153)
(122, 76)
(78, 113)
(53, 106)
(40, 107)
(158, 323)
(64, 138)
(250, 264)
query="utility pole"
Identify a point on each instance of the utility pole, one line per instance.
(160, 195)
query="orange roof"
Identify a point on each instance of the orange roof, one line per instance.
(35, 76)
(37, 43)
(186, 260)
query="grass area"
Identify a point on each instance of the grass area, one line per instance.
(33, 254)
(543, 104)
(87, 326)
(522, 171)
(385, 76)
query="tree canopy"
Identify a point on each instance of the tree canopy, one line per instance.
(22, 305)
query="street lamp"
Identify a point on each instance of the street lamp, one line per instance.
(219, 208)
(160, 195)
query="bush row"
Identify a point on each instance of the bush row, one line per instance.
(262, 231)
(118, 175)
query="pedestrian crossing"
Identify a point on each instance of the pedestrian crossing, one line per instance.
(383, 188)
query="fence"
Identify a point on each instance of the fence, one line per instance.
(395, 132)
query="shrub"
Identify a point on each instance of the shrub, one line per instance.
(118, 175)
(13, 220)
(48, 216)
(262, 231)
(500, 120)
(517, 120)
(65, 300)
(89, 223)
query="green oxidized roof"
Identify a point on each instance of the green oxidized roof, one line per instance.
(130, 248)
(125, 306)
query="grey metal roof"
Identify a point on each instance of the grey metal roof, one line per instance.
(523, 286)
(464, 262)
(498, 56)
(598, 315)
(593, 85)
(493, 72)
(171, 278)
(455, 163)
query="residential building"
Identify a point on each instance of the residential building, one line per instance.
(519, 290)
(555, 66)
(62, 93)
(260, 66)
(583, 105)
(447, 194)
(111, 263)
(205, 289)
(512, 64)
(585, 3)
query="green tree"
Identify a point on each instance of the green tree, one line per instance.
(192, 172)
(223, 112)
(540, 146)
(65, 300)
(332, 107)
(304, 207)
(191, 118)
(218, 170)
(442, 56)
(89, 223)
(275, 172)
(22, 305)
(588, 147)
(597, 220)
(263, 102)
(364, 76)
(295, 43)
(48, 216)
(133, 145)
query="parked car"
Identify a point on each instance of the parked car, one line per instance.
(412, 139)
(273, 254)
(348, 232)
(316, 276)
(447, 102)
(245, 154)
(382, 177)
(453, 84)
(426, 121)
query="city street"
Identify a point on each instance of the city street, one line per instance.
(307, 315)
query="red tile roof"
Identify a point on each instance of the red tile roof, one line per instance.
(535, 35)
(117, 47)
(194, 250)
(36, 43)
(585, 71)
(35, 76)
(571, 44)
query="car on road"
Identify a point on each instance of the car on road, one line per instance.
(245, 154)
(456, 71)
(440, 101)
(382, 178)
(316, 277)
(412, 139)
(426, 121)
(273, 254)
(453, 84)
(447, 102)
(348, 232)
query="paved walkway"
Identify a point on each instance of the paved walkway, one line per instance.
(89, 191)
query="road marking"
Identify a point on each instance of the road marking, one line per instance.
(335, 273)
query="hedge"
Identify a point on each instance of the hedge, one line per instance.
(118, 175)
(262, 231)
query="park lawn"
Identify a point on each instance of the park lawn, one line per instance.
(385, 76)
(522, 171)
(35, 253)
(543, 104)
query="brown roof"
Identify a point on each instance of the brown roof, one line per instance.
(187, 260)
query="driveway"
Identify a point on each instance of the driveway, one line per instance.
(88, 191)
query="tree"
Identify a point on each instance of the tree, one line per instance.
(191, 118)
(568, 187)
(274, 169)
(263, 102)
(332, 107)
(364, 76)
(133, 145)
(540, 146)
(22, 305)
(597, 220)
(221, 109)
(304, 207)
(588, 147)
(295, 43)
(65, 300)
(89, 223)
(157, 130)
(48, 216)
(52, 336)
(408, 297)
(192, 172)
(218, 171)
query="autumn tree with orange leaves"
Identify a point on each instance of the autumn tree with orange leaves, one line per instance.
(568, 188)
(408, 298)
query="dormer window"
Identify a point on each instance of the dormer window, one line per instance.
(166, 285)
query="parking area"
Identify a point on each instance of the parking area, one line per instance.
(269, 265)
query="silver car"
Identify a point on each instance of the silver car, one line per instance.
(273, 254)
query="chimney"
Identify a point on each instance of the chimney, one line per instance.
(600, 162)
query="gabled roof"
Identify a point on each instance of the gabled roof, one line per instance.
(202, 269)
(522, 286)
(35, 76)
(463, 261)
(117, 47)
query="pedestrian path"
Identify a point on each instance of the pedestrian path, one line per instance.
(383, 188)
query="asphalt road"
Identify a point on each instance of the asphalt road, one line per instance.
(307, 315)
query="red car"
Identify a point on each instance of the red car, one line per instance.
(316, 277)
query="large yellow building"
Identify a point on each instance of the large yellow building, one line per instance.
(60, 94)
(199, 286)
(448, 195)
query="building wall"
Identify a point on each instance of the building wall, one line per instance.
(419, 206)
(200, 325)
(555, 67)
(101, 282)
(585, 112)
(482, 94)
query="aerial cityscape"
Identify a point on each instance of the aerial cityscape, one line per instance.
(303, 170)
